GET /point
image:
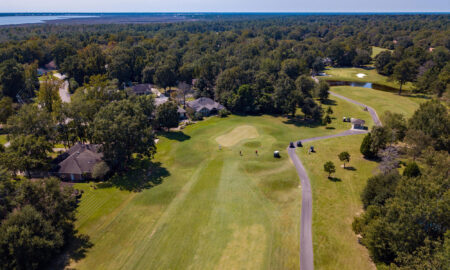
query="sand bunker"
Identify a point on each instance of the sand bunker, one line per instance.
(361, 75)
(237, 134)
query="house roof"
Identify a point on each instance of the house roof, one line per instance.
(356, 121)
(204, 102)
(161, 100)
(181, 110)
(140, 89)
(79, 159)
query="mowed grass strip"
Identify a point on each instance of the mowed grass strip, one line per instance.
(336, 202)
(215, 208)
(381, 101)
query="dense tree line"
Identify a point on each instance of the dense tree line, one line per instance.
(406, 219)
(224, 53)
(36, 221)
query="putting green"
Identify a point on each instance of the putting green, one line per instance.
(237, 134)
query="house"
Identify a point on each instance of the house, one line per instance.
(161, 100)
(181, 113)
(78, 162)
(142, 89)
(205, 106)
(357, 123)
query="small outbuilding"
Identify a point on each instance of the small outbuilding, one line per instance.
(357, 123)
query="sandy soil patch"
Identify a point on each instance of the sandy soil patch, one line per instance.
(237, 134)
(361, 75)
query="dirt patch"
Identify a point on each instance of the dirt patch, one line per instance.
(237, 134)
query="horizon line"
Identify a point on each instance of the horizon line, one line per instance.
(229, 12)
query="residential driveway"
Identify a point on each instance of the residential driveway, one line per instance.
(64, 89)
(306, 247)
(64, 92)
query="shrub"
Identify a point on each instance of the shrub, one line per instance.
(224, 113)
(100, 170)
(197, 116)
(412, 170)
(366, 147)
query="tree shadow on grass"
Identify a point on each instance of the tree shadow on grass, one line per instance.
(334, 179)
(76, 249)
(175, 136)
(301, 122)
(350, 168)
(330, 128)
(142, 174)
(329, 102)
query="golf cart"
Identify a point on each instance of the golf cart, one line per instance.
(276, 154)
(291, 145)
(299, 144)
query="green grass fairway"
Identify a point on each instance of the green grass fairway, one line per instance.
(336, 203)
(381, 101)
(377, 50)
(349, 74)
(214, 209)
(237, 134)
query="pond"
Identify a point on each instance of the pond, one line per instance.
(363, 84)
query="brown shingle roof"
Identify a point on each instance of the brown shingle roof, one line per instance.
(141, 89)
(204, 102)
(80, 159)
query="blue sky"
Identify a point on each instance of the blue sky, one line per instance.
(224, 5)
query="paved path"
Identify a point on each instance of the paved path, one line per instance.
(373, 113)
(64, 89)
(306, 247)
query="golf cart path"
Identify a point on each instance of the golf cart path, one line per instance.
(306, 247)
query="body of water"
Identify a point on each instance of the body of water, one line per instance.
(363, 84)
(14, 20)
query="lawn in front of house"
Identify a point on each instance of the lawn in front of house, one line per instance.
(212, 207)
(336, 202)
(350, 74)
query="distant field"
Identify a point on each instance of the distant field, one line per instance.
(381, 101)
(336, 203)
(214, 209)
(349, 74)
(377, 50)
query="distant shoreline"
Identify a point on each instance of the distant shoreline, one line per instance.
(66, 18)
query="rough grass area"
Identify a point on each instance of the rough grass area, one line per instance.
(3, 139)
(336, 202)
(382, 101)
(349, 74)
(207, 208)
(237, 134)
